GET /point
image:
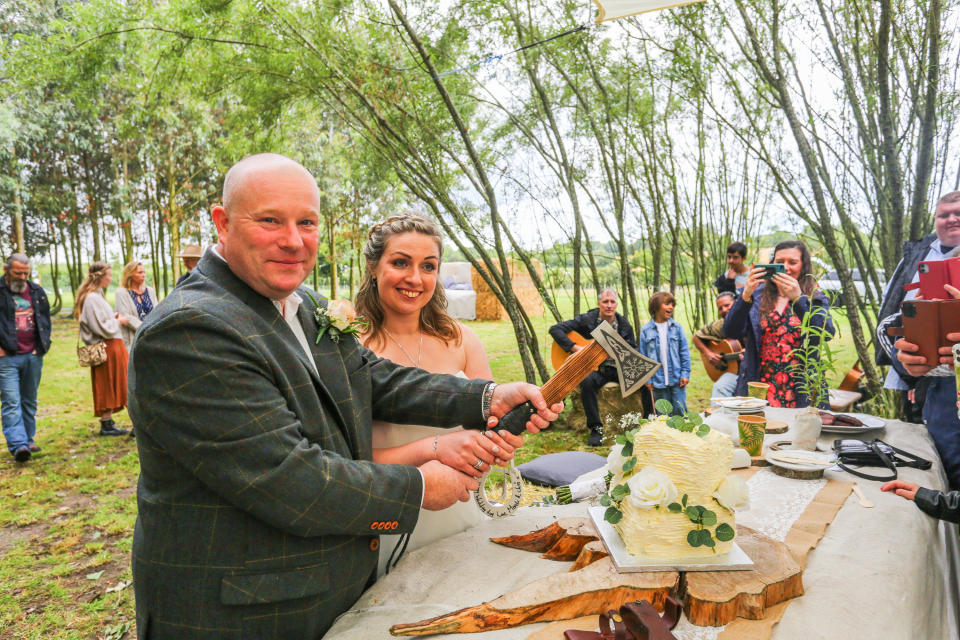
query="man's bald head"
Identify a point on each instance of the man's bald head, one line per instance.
(238, 177)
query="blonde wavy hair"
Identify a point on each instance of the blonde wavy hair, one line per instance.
(434, 319)
(128, 270)
(93, 282)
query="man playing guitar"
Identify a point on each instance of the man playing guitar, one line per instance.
(579, 328)
(712, 345)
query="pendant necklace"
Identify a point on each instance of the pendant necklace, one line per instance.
(416, 362)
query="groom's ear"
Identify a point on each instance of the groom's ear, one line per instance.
(221, 219)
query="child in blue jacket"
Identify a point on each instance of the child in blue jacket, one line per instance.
(663, 340)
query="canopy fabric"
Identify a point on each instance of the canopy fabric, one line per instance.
(615, 9)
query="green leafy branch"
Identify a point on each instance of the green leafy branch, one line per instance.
(687, 423)
(813, 358)
(703, 518)
(612, 500)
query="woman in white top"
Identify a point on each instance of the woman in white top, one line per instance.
(99, 322)
(409, 325)
(134, 299)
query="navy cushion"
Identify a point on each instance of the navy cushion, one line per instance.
(557, 469)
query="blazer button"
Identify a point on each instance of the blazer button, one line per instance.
(374, 544)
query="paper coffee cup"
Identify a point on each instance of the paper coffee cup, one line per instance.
(752, 429)
(758, 389)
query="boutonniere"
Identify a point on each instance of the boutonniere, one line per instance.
(338, 317)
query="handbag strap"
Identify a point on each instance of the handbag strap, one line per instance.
(884, 458)
(913, 460)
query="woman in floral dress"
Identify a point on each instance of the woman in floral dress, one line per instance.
(766, 319)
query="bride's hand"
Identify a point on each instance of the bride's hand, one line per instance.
(474, 452)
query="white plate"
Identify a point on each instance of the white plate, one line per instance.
(734, 560)
(819, 461)
(869, 423)
(742, 404)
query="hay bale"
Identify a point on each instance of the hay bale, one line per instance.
(489, 307)
(611, 405)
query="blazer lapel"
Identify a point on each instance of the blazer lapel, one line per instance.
(332, 370)
(217, 269)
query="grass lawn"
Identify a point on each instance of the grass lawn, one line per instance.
(67, 516)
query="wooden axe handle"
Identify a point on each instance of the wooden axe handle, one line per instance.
(573, 371)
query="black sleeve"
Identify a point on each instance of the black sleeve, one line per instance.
(944, 506)
(723, 283)
(559, 331)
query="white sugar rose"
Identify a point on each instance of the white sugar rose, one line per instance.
(615, 460)
(341, 313)
(733, 493)
(651, 488)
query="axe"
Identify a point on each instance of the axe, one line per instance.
(633, 371)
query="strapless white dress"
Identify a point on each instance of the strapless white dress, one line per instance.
(431, 525)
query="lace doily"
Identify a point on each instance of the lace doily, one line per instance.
(775, 504)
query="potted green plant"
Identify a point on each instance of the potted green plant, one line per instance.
(813, 366)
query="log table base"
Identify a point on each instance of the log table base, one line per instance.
(593, 585)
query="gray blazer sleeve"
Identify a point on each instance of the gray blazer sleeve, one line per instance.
(212, 400)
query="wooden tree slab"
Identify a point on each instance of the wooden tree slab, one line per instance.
(591, 590)
(561, 541)
(591, 552)
(714, 598)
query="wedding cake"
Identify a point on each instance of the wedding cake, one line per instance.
(672, 495)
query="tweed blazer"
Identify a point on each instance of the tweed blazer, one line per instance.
(259, 506)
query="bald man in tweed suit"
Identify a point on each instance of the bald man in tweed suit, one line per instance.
(259, 506)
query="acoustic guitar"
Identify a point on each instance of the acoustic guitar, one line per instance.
(729, 350)
(558, 355)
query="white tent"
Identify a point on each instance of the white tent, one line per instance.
(614, 9)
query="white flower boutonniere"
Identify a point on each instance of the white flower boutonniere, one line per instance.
(338, 317)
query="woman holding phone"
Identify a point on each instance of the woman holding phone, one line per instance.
(766, 319)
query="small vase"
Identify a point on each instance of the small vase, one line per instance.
(806, 429)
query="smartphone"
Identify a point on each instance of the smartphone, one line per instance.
(926, 324)
(921, 326)
(933, 275)
(770, 270)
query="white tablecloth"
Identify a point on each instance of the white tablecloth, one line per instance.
(884, 573)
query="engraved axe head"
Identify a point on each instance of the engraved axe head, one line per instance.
(633, 368)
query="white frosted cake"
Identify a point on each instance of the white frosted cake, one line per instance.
(679, 497)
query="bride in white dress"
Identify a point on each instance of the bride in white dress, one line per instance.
(408, 324)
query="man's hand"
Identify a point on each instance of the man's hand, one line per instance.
(915, 365)
(684, 381)
(714, 358)
(575, 348)
(508, 396)
(443, 486)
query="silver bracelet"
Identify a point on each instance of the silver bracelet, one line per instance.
(487, 400)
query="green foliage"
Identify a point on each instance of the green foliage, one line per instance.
(663, 406)
(725, 532)
(814, 360)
